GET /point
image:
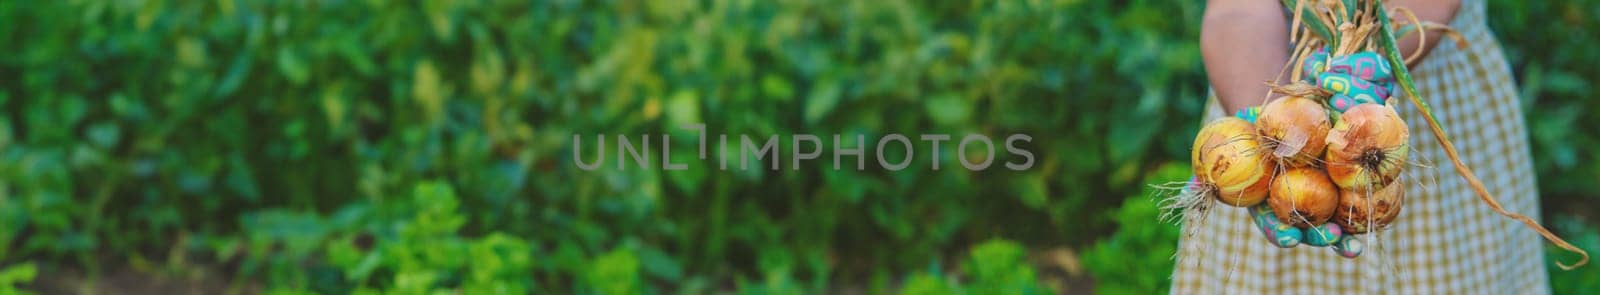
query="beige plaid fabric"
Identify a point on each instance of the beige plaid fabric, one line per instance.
(1446, 241)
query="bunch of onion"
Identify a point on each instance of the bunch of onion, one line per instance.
(1364, 211)
(1229, 163)
(1294, 128)
(1367, 150)
(1364, 153)
(1303, 197)
(1230, 167)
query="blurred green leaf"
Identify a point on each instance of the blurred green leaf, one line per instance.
(948, 109)
(426, 148)
(292, 66)
(615, 273)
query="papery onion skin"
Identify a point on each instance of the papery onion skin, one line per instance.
(1228, 158)
(1367, 148)
(1253, 194)
(1360, 212)
(1290, 121)
(1303, 197)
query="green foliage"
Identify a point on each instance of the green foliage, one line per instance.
(928, 284)
(1556, 82)
(1123, 263)
(615, 273)
(1000, 267)
(427, 146)
(11, 276)
(276, 134)
(996, 266)
(412, 245)
(1556, 79)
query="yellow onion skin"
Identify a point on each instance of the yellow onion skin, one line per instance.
(1367, 148)
(1228, 159)
(1253, 194)
(1291, 122)
(1303, 197)
(1360, 212)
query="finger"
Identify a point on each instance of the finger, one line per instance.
(1341, 102)
(1280, 234)
(1324, 235)
(1349, 246)
(1356, 90)
(1365, 66)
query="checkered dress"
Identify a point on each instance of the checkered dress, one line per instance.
(1446, 240)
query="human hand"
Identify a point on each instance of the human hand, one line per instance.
(1363, 77)
(1286, 236)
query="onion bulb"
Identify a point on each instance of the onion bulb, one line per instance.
(1367, 148)
(1294, 129)
(1360, 212)
(1303, 197)
(1229, 162)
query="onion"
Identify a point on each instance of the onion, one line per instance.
(1229, 164)
(1367, 148)
(1303, 197)
(1294, 128)
(1360, 212)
